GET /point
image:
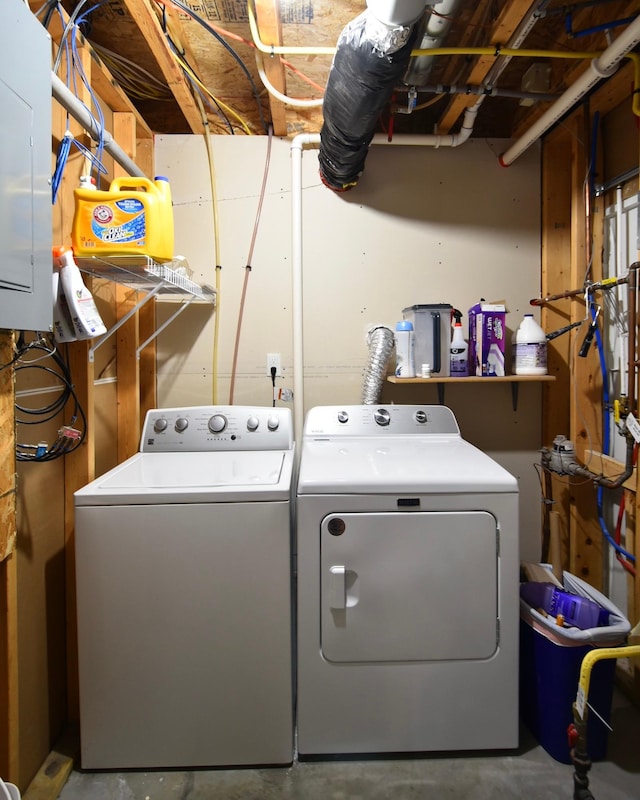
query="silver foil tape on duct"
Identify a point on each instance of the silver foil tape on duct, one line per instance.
(369, 62)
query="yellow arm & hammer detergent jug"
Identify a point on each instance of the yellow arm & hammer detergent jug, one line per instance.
(134, 217)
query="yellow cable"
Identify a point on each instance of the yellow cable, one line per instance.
(214, 205)
(504, 51)
(635, 104)
(272, 49)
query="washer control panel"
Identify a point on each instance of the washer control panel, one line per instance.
(209, 428)
(378, 420)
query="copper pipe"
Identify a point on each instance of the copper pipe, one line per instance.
(608, 283)
(632, 317)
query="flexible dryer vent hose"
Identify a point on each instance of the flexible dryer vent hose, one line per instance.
(380, 341)
(369, 62)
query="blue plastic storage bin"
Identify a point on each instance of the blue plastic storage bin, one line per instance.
(550, 661)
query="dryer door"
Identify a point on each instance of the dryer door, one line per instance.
(409, 586)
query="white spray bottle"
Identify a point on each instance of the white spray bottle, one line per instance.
(63, 330)
(459, 352)
(86, 318)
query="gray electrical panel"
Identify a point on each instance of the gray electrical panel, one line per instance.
(25, 171)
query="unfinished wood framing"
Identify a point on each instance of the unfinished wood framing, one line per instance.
(571, 255)
(135, 137)
(8, 609)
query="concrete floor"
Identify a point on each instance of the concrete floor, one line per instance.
(527, 773)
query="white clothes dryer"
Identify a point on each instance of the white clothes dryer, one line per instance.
(184, 594)
(407, 586)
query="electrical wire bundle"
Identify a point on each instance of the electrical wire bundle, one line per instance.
(74, 73)
(29, 356)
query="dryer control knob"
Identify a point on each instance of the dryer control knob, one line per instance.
(382, 416)
(217, 423)
(343, 416)
(160, 425)
(181, 424)
(421, 416)
(273, 423)
(252, 423)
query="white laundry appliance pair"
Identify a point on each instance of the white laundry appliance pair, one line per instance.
(407, 590)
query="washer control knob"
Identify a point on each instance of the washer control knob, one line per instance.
(343, 416)
(217, 423)
(382, 416)
(252, 423)
(273, 423)
(160, 425)
(421, 416)
(181, 424)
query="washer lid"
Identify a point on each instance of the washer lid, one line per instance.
(399, 465)
(202, 477)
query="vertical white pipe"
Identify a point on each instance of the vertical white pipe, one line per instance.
(299, 142)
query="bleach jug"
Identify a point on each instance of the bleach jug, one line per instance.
(134, 217)
(529, 348)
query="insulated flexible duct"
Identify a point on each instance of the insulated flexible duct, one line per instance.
(380, 342)
(370, 59)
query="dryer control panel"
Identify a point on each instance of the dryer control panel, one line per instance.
(378, 420)
(212, 428)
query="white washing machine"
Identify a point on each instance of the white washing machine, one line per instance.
(408, 579)
(184, 595)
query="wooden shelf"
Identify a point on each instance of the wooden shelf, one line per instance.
(475, 379)
(513, 380)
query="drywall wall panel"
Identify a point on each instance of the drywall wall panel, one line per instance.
(424, 225)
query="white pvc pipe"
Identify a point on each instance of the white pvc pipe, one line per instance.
(396, 12)
(601, 67)
(435, 140)
(299, 142)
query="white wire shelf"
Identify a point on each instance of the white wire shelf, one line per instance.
(168, 281)
(172, 278)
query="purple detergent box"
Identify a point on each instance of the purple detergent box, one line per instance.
(487, 332)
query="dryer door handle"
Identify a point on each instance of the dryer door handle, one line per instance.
(338, 587)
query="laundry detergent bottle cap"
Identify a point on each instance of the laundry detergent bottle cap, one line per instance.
(405, 350)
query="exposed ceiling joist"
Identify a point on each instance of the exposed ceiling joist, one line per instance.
(102, 80)
(270, 27)
(144, 15)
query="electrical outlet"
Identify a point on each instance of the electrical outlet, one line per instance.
(273, 360)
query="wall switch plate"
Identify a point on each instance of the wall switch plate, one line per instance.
(273, 360)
